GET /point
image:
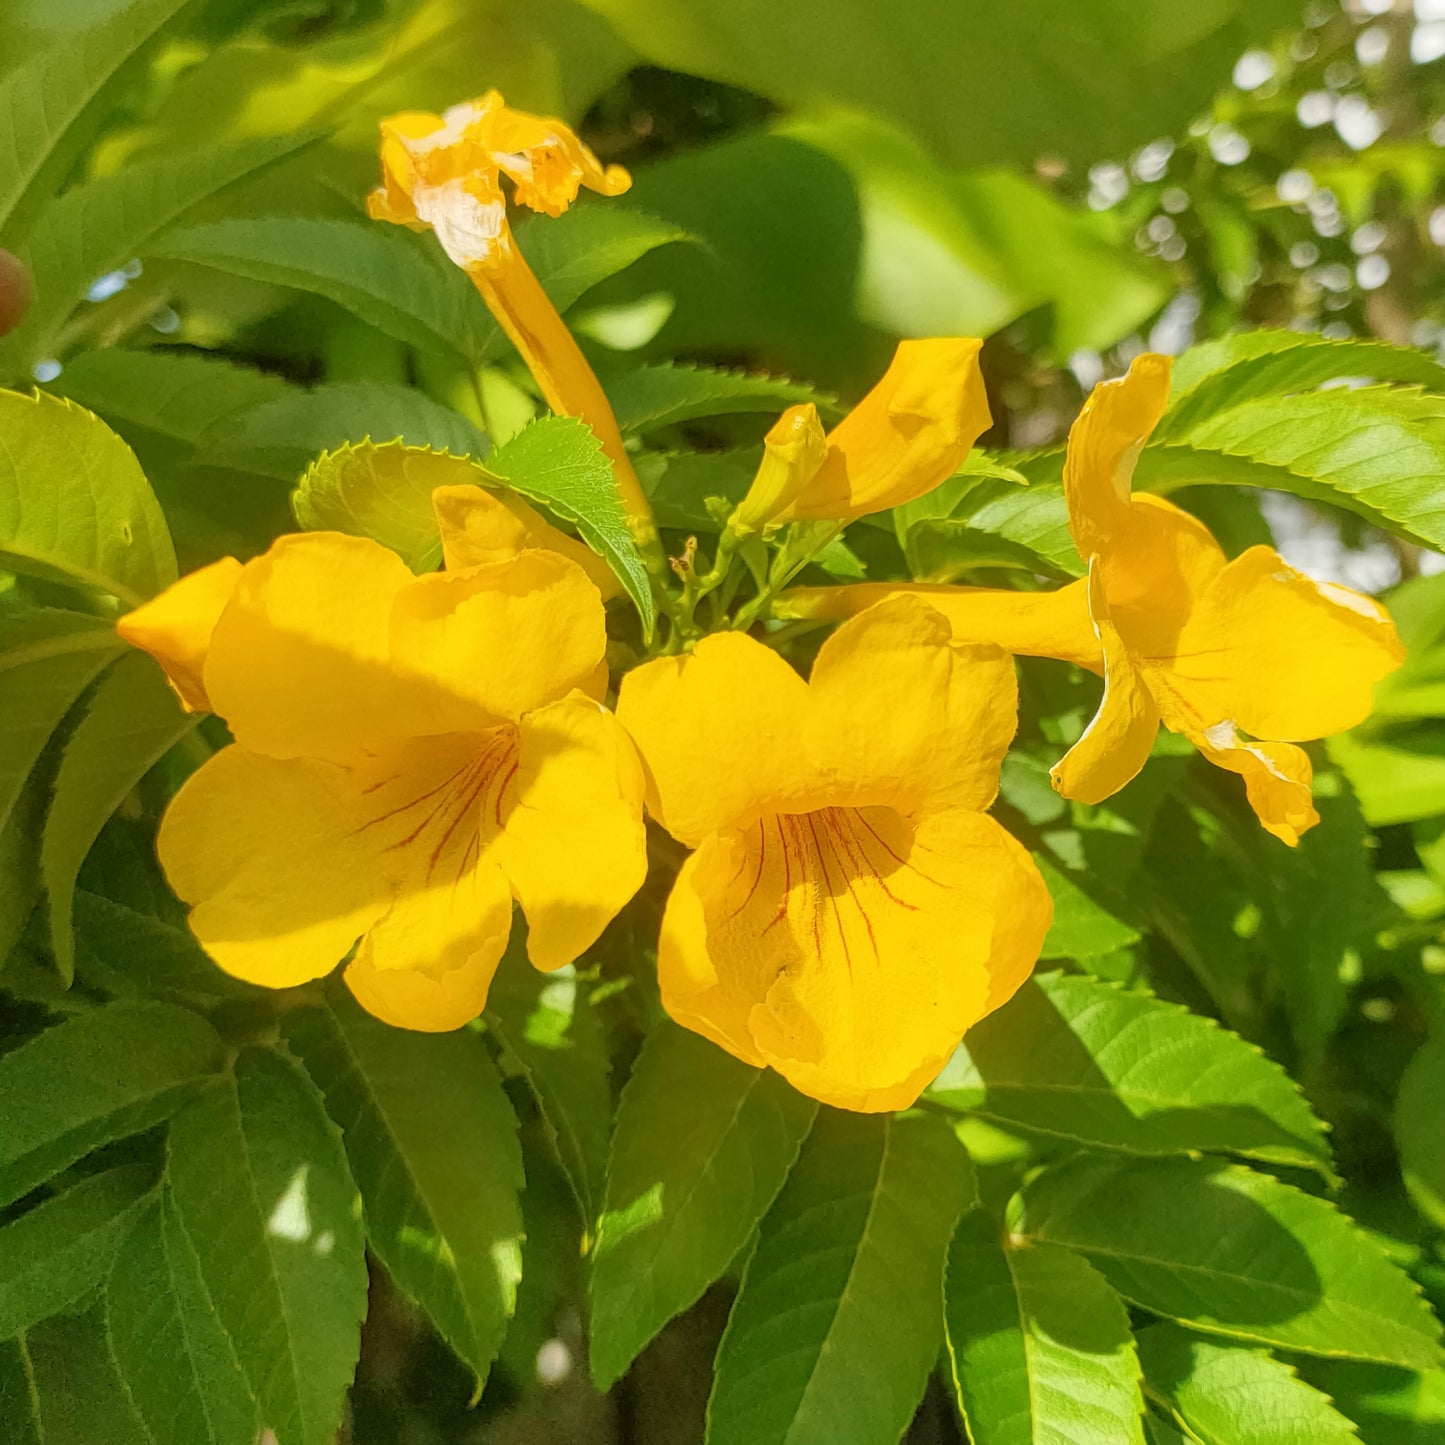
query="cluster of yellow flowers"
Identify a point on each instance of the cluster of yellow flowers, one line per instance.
(414, 753)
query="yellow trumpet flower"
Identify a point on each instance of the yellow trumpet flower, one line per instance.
(1245, 658)
(411, 755)
(850, 910)
(444, 173)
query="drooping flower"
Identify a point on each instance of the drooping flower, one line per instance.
(906, 436)
(411, 755)
(444, 173)
(1245, 658)
(849, 909)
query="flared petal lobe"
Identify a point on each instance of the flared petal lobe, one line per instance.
(911, 432)
(849, 948)
(573, 846)
(1278, 655)
(720, 733)
(1116, 744)
(176, 627)
(900, 715)
(1277, 779)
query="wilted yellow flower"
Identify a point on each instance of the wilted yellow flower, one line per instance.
(411, 754)
(849, 910)
(1245, 658)
(909, 433)
(444, 173)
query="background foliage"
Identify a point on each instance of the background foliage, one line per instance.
(1197, 1166)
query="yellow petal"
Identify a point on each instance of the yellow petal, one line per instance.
(176, 627)
(573, 845)
(547, 163)
(1116, 743)
(720, 732)
(848, 948)
(1278, 655)
(1276, 776)
(479, 526)
(1029, 624)
(793, 450)
(911, 432)
(299, 664)
(899, 714)
(268, 854)
(433, 1003)
(499, 639)
(434, 813)
(1104, 444)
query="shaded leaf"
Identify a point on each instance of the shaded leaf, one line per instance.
(19, 1404)
(1038, 1342)
(176, 1362)
(100, 1075)
(381, 274)
(1232, 1252)
(45, 99)
(64, 1246)
(551, 1034)
(1231, 1396)
(261, 1188)
(130, 722)
(432, 1142)
(101, 224)
(838, 1321)
(702, 1145)
(1420, 1127)
(1391, 1407)
(280, 436)
(82, 1401)
(650, 397)
(177, 394)
(1073, 1058)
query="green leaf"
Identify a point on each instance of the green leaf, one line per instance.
(382, 491)
(550, 1033)
(838, 1320)
(100, 1075)
(47, 660)
(53, 1253)
(432, 1141)
(82, 1401)
(45, 99)
(1247, 364)
(1031, 523)
(279, 437)
(19, 1404)
(1420, 1127)
(177, 1363)
(103, 223)
(558, 462)
(1225, 1395)
(648, 398)
(1377, 451)
(1228, 1251)
(1098, 87)
(1038, 1342)
(1082, 928)
(702, 1145)
(130, 722)
(1073, 1058)
(74, 504)
(588, 244)
(178, 395)
(1392, 1407)
(261, 1187)
(382, 274)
